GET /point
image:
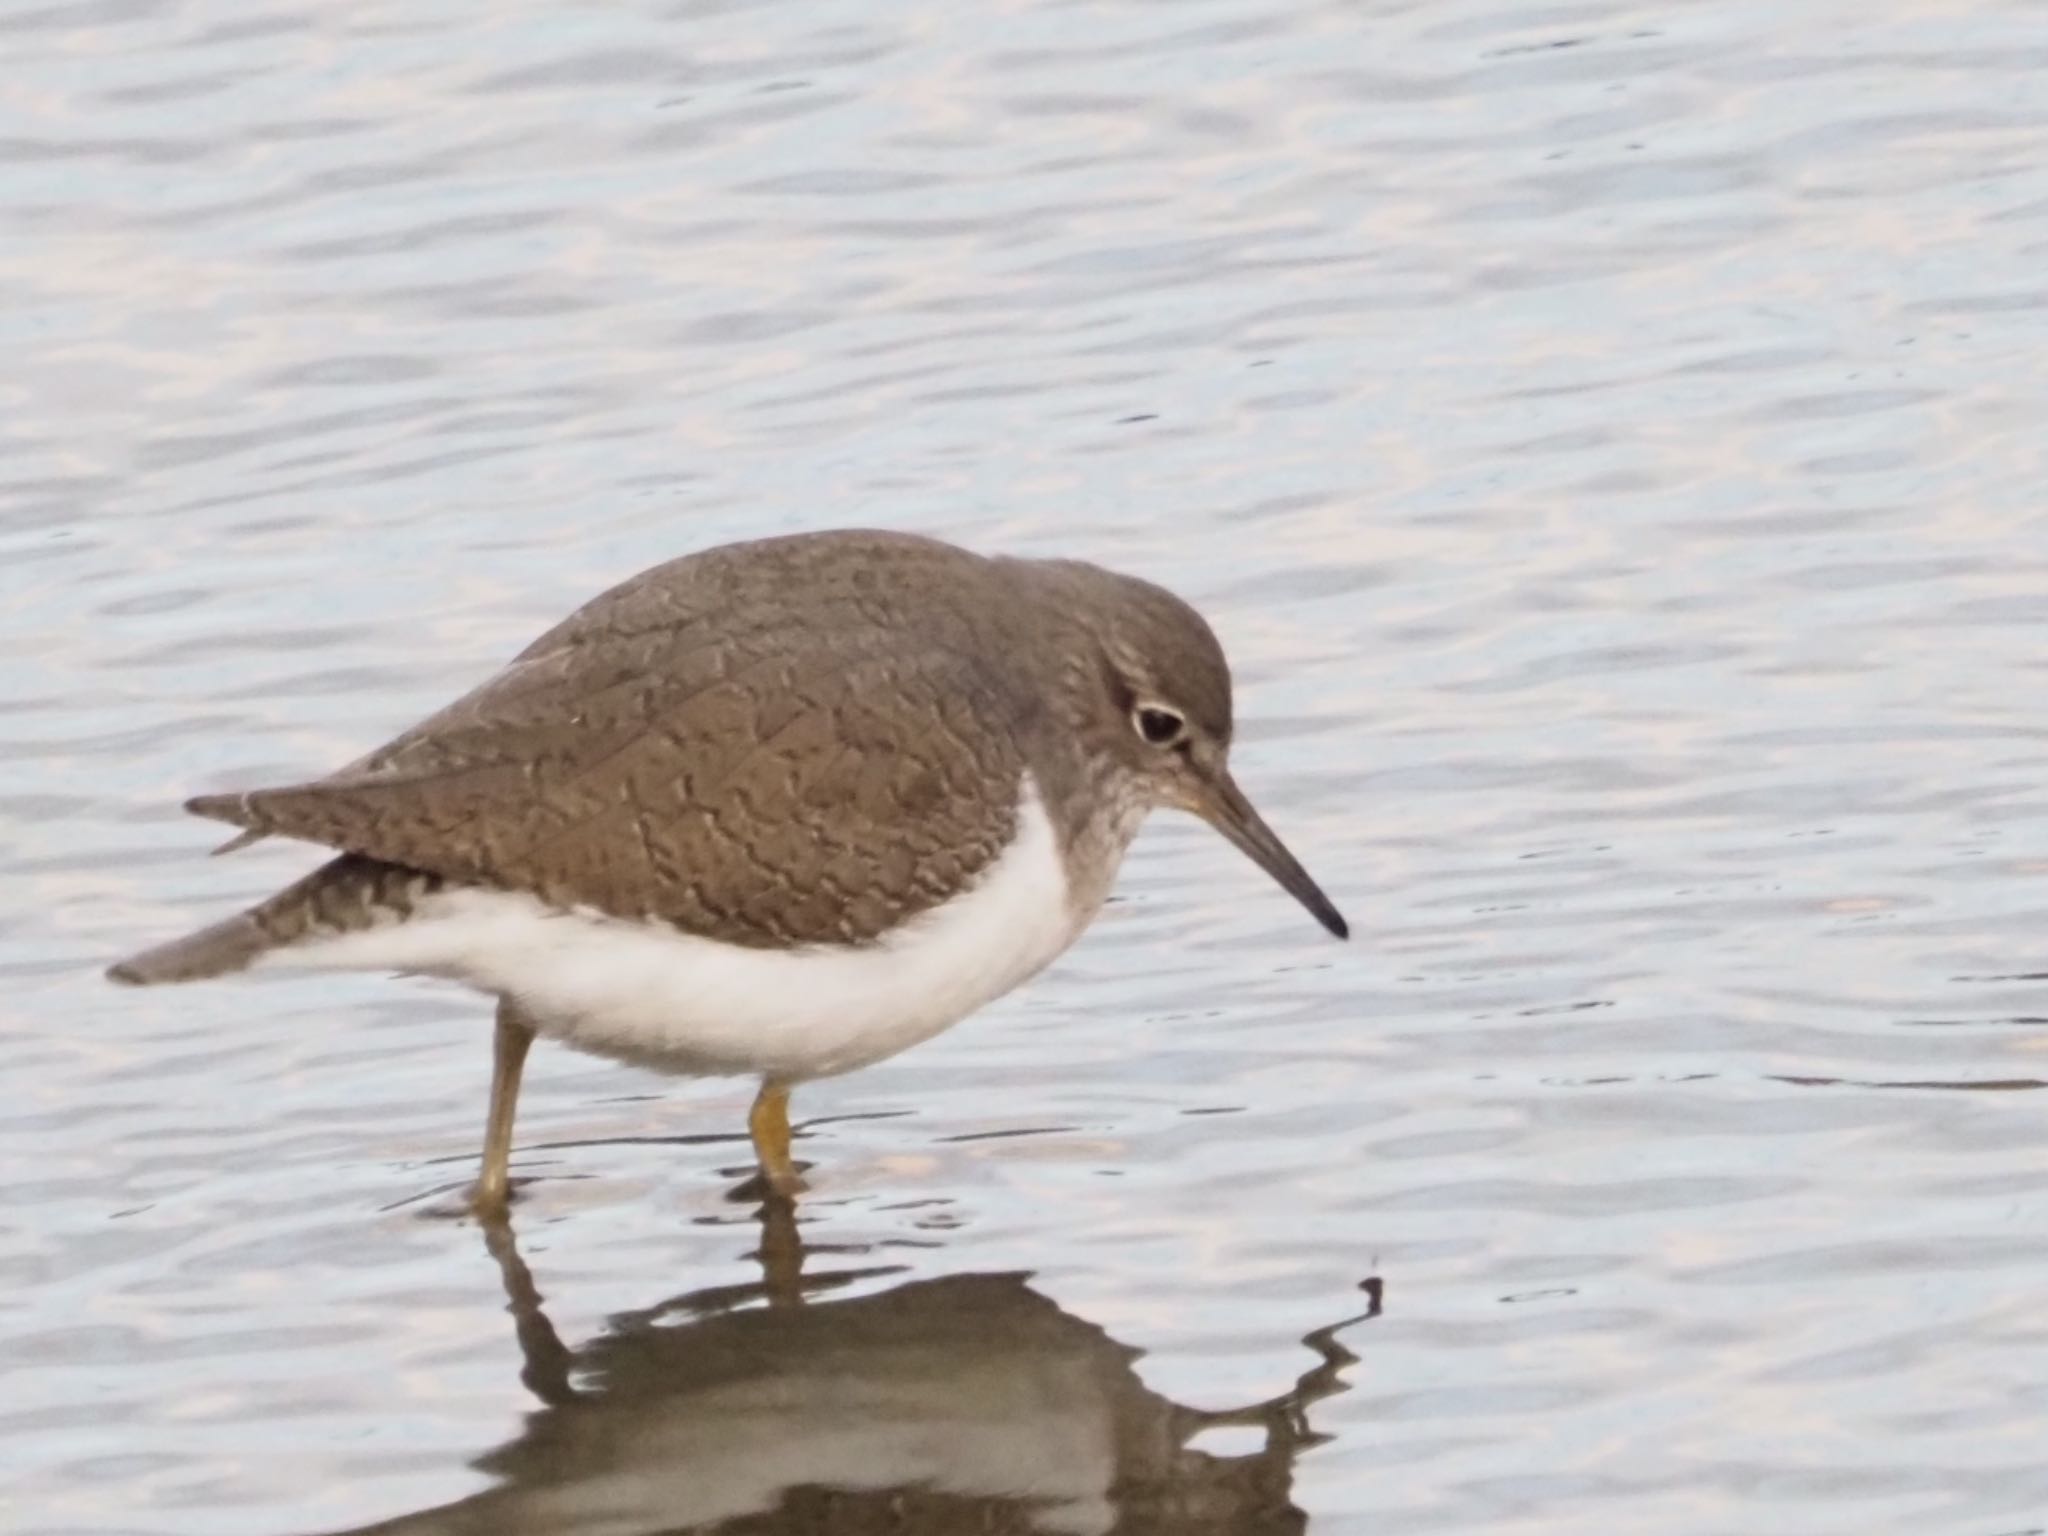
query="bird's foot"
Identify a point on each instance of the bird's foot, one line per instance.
(765, 1184)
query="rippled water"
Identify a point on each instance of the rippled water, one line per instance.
(1610, 439)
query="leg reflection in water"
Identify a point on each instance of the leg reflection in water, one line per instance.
(968, 1403)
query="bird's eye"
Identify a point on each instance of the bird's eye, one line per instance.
(1161, 727)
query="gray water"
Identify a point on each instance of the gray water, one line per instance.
(1611, 440)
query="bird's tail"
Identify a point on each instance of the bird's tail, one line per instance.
(343, 895)
(230, 945)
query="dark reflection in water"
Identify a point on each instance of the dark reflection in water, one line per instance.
(969, 1403)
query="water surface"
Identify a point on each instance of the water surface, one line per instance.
(1609, 440)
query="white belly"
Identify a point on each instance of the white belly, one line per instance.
(645, 993)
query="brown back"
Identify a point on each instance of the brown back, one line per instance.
(800, 740)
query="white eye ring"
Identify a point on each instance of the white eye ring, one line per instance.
(1157, 725)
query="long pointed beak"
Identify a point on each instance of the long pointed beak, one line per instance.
(1225, 808)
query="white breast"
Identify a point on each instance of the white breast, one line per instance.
(643, 992)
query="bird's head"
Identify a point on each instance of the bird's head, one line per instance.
(1152, 697)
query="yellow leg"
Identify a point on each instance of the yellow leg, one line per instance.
(768, 1124)
(508, 1060)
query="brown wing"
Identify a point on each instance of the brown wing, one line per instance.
(695, 752)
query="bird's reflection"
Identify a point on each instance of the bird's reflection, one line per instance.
(964, 1404)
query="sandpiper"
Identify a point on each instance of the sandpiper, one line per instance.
(778, 809)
